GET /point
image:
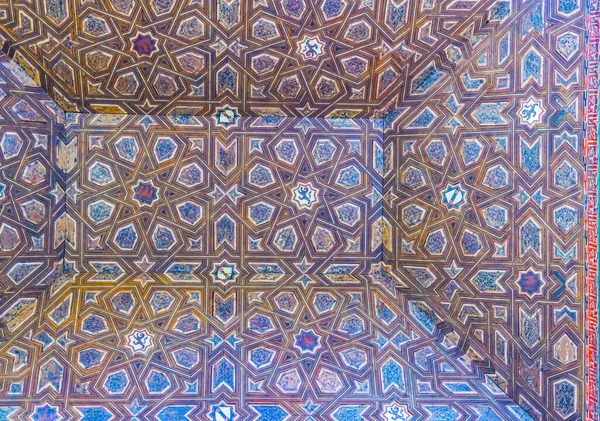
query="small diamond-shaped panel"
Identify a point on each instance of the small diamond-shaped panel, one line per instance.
(266, 197)
(30, 209)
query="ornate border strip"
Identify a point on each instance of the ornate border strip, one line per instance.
(591, 213)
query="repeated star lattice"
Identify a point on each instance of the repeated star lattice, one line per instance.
(292, 210)
(294, 57)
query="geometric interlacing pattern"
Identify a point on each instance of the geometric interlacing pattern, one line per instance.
(246, 292)
(313, 58)
(295, 57)
(487, 205)
(279, 197)
(277, 210)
